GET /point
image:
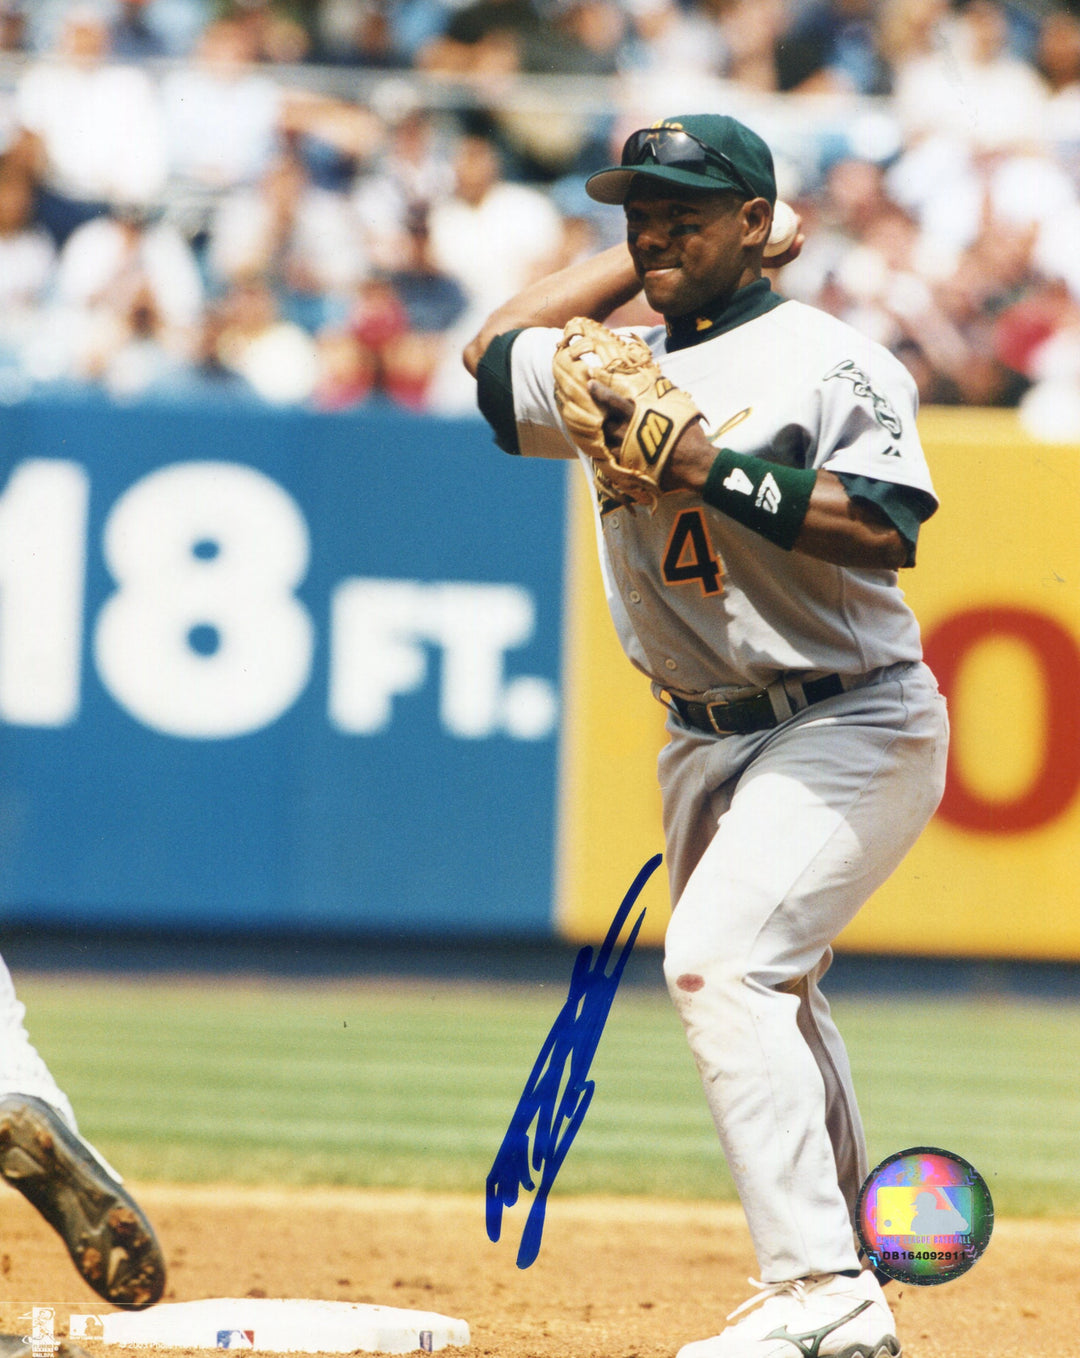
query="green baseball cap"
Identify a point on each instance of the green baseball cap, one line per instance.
(693, 151)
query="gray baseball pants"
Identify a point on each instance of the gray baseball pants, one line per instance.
(774, 842)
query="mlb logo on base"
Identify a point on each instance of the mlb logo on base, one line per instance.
(235, 1339)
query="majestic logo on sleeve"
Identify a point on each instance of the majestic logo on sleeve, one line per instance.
(885, 415)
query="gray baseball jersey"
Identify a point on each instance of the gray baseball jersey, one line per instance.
(703, 605)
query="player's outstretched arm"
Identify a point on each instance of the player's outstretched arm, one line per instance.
(835, 528)
(593, 287)
(827, 524)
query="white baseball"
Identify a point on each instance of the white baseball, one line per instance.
(785, 227)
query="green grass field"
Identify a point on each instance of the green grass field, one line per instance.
(413, 1084)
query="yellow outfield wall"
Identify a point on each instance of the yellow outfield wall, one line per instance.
(997, 591)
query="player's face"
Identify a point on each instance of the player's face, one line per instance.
(688, 248)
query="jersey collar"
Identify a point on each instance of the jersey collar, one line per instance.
(716, 319)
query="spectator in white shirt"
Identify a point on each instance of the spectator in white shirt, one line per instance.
(968, 85)
(493, 236)
(99, 126)
(27, 262)
(412, 171)
(221, 115)
(27, 253)
(304, 237)
(108, 260)
(122, 283)
(247, 337)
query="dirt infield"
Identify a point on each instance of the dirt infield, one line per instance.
(616, 1278)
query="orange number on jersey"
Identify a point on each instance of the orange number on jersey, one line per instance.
(690, 555)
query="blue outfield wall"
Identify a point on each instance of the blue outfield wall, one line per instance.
(276, 670)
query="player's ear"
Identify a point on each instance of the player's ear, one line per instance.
(757, 221)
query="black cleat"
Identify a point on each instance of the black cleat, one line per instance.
(109, 1239)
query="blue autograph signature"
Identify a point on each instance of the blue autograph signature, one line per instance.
(574, 1037)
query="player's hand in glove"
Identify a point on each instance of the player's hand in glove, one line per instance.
(631, 430)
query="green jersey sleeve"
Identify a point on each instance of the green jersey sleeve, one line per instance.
(906, 507)
(495, 391)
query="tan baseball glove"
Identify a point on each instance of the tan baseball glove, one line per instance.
(630, 470)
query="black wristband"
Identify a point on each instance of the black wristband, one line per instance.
(769, 499)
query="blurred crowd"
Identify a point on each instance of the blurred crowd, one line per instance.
(314, 202)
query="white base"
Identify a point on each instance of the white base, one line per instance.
(284, 1326)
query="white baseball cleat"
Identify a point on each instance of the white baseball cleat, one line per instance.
(826, 1316)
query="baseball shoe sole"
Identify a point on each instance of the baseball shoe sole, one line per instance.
(887, 1348)
(110, 1241)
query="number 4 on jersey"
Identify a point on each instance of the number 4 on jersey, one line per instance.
(690, 555)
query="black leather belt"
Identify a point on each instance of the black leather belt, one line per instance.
(746, 715)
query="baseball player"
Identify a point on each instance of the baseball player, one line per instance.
(758, 482)
(110, 1241)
